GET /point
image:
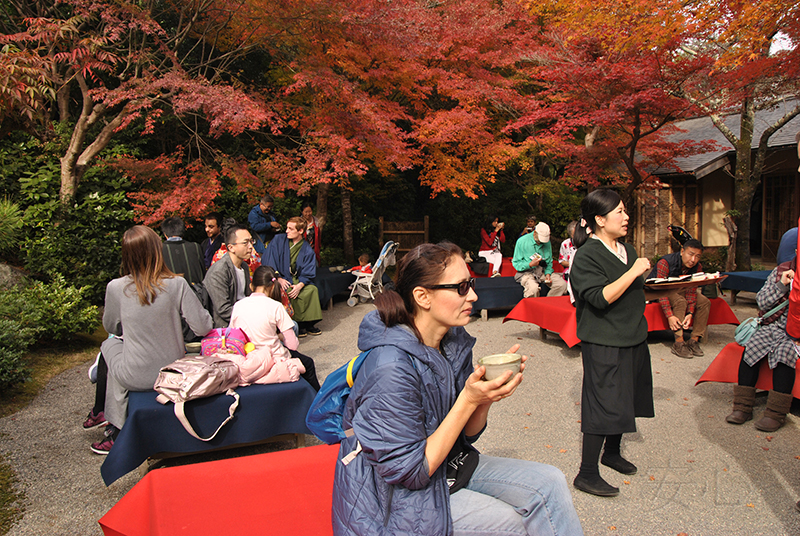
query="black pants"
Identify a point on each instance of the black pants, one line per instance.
(310, 375)
(782, 376)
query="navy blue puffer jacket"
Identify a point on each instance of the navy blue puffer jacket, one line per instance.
(401, 394)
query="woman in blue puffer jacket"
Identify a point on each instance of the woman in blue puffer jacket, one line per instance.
(415, 409)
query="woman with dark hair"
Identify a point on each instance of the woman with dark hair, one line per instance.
(606, 279)
(271, 330)
(313, 230)
(492, 236)
(415, 409)
(143, 311)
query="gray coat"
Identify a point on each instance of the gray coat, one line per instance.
(151, 337)
(220, 283)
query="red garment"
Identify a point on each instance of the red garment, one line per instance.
(487, 239)
(793, 320)
(366, 269)
(313, 239)
(253, 263)
(662, 270)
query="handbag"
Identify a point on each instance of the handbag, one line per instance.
(224, 341)
(195, 377)
(749, 326)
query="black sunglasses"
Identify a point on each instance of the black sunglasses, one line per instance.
(462, 288)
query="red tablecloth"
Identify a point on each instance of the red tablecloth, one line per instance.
(556, 314)
(725, 369)
(287, 492)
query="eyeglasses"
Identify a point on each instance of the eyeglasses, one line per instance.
(462, 288)
(250, 242)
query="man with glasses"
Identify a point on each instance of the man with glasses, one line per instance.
(228, 280)
(291, 256)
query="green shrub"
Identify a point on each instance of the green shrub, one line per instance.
(10, 224)
(15, 339)
(39, 312)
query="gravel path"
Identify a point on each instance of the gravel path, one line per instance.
(697, 474)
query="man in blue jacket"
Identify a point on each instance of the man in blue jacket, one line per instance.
(264, 223)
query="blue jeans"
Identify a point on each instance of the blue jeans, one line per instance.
(507, 496)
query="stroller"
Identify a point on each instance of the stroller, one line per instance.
(367, 285)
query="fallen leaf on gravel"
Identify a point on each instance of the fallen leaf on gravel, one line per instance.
(577, 403)
(626, 481)
(524, 427)
(669, 399)
(685, 398)
(682, 534)
(751, 505)
(563, 450)
(710, 416)
(612, 527)
(549, 446)
(652, 477)
(725, 469)
(797, 457)
(691, 450)
(528, 414)
(657, 372)
(765, 448)
(689, 461)
(769, 438)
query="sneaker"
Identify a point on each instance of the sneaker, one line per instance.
(694, 347)
(93, 369)
(313, 330)
(93, 421)
(681, 349)
(302, 333)
(496, 274)
(102, 447)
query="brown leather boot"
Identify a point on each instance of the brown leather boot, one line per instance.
(778, 405)
(743, 398)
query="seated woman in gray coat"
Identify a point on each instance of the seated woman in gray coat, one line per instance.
(143, 311)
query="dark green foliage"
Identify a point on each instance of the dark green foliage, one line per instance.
(713, 259)
(82, 240)
(39, 312)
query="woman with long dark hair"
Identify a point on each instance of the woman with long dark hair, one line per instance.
(143, 310)
(492, 236)
(608, 286)
(270, 328)
(415, 409)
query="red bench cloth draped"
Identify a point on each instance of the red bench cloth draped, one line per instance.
(725, 369)
(286, 492)
(558, 315)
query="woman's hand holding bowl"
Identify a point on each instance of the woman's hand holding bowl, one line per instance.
(480, 391)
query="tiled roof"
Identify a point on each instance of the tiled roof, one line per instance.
(701, 129)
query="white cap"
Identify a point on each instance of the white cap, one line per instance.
(542, 231)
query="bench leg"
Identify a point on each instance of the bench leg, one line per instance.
(485, 315)
(542, 333)
(300, 440)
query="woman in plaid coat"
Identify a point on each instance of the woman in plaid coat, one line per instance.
(770, 342)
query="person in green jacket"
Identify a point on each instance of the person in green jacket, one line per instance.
(608, 285)
(533, 260)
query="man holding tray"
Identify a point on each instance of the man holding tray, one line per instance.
(684, 307)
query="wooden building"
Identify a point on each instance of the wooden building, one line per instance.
(697, 196)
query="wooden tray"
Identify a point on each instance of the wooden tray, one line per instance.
(675, 285)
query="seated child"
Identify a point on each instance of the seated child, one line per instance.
(364, 265)
(270, 328)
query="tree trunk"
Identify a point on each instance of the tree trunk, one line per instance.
(745, 184)
(730, 227)
(347, 225)
(323, 189)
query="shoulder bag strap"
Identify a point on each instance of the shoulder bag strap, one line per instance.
(179, 413)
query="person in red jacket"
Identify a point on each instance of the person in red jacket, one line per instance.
(492, 236)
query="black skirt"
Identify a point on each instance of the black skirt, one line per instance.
(617, 388)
